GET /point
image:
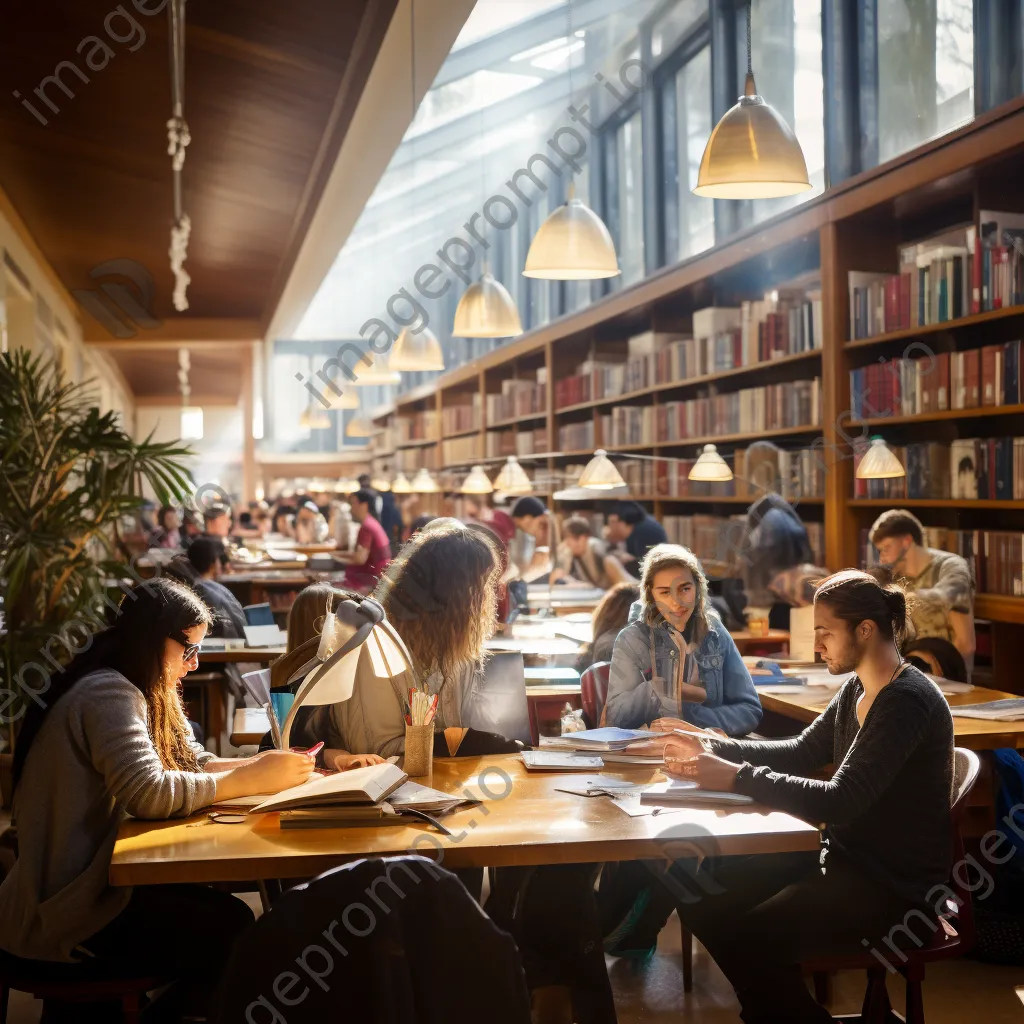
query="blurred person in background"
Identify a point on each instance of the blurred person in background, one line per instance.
(373, 552)
(610, 617)
(310, 525)
(168, 529)
(584, 560)
(635, 531)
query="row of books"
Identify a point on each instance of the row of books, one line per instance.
(409, 460)
(749, 411)
(461, 449)
(970, 269)
(937, 382)
(995, 557)
(516, 442)
(989, 469)
(420, 426)
(518, 398)
(455, 418)
(574, 437)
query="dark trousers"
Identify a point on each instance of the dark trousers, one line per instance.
(179, 932)
(760, 917)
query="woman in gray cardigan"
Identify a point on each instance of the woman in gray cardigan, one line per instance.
(111, 739)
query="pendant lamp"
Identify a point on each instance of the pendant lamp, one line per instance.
(424, 483)
(419, 350)
(879, 463)
(752, 152)
(486, 310)
(359, 427)
(314, 418)
(513, 479)
(401, 485)
(600, 473)
(573, 244)
(710, 466)
(376, 371)
(477, 482)
(379, 483)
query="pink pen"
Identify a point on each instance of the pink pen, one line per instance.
(314, 750)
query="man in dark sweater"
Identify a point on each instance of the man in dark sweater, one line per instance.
(886, 840)
(630, 525)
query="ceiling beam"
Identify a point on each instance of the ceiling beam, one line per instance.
(177, 332)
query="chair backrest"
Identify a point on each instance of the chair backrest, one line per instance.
(966, 765)
(375, 941)
(594, 692)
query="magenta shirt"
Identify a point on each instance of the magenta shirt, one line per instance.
(375, 540)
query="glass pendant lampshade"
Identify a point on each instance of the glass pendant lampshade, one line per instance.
(314, 418)
(486, 310)
(379, 483)
(879, 463)
(513, 479)
(348, 399)
(419, 350)
(424, 483)
(600, 473)
(573, 244)
(401, 485)
(710, 466)
(752, 152)
(359, 427)
(376, 372)
(477, 482)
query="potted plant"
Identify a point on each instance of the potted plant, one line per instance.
(68, 476)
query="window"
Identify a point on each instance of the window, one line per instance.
(686, 126)
(786, 48)
(624, 197)
(925, 64)
(675, 25)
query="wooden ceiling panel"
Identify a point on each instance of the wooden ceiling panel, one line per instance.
(262, 80)
(153, 373)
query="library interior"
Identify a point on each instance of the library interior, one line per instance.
(551, 470)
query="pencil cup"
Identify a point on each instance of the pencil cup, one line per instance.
(419, 749)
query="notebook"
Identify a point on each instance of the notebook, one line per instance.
(679, 792)
(265, 636)
(1009, 710)
(597, 739)
(557, 760)
(368, 785)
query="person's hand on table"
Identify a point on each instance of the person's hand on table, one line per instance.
(707, 770)
(344, 762)
(274, 771)
(670, 725)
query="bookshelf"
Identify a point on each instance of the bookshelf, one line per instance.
(862, 225)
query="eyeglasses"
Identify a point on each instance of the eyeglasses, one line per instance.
(191, 650)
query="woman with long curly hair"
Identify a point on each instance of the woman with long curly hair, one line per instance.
(441, 595)
(111, 738)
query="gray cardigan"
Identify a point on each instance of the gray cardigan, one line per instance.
(92, 762)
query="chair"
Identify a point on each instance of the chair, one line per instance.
(953, 939)
(594, 692)
(69, 983)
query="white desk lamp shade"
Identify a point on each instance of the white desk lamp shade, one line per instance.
(356, 637)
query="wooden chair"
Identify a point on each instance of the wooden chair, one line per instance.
(594, 692)
(954, 938)
(67, 983)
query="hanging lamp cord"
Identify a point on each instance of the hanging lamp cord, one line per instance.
(750, 65)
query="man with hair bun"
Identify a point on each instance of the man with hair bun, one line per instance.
(940, 582)
(887, 850)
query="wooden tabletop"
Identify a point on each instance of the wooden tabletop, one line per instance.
(773, 638)
(524, 821)
(973, 733)
(263, 655)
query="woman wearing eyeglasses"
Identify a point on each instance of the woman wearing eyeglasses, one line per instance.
(107, 737)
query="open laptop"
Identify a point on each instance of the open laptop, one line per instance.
(259, 615)
(497, 702)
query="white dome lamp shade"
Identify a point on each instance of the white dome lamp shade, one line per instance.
(710, 467)
(513, 479)
(752, 152)
(477, 482)
(880, 463)
(600, 473)
(424, 483)
(486, 310)
(380, 483)
(401, 485)
(416, 350)
(573, 244)
(359, 427)
(377, 371)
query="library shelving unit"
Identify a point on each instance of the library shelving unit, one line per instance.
(858, 226)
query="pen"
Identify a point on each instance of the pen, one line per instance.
(314, 750)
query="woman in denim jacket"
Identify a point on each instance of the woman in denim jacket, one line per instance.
(698, 674)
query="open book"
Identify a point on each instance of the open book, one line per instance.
(365, 786)
(677, 792)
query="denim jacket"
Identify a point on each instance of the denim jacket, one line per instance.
(732, 704)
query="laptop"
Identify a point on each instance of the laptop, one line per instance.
(497, 702)
(259, 615)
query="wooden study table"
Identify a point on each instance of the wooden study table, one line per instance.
(973, 733)
(525, 821)
(261, 655)
(761, 643)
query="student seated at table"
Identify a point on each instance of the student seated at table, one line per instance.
(112, 739)
(677, 660)
(440, 594)
(636, 531)
(886, 844)
(206, 556)
(373, 552)
(609, 619)
(168, 529)
(530, 550)
(584, 560)
(305, 621)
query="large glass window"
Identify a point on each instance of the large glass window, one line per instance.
(925, 71)
(686, 125)
(625, 196)
(786, 49)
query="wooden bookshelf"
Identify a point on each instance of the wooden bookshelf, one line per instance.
(856, 226)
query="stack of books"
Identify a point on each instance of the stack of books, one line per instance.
(518, 398)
